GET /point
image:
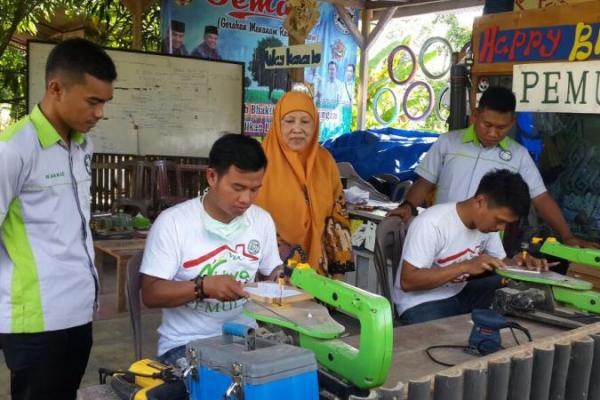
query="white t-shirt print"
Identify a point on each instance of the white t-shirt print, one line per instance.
(438, 238)
(179, 248)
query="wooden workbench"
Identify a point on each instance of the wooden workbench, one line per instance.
(409, 360)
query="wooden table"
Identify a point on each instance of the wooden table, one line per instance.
(122, 250)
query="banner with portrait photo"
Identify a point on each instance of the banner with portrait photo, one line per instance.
(241, 31)
(334, 80)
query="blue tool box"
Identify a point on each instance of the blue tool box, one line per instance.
(233, 367)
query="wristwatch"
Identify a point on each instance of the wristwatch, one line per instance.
(413, 209)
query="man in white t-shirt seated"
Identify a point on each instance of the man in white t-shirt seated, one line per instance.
(448, 243)
(200, 253)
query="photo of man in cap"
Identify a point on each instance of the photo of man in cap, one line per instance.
(175, 44)
(208, 48)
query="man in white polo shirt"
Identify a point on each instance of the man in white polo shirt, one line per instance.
(447, 243)
(48, 283)
(200, 253)
(457, 160)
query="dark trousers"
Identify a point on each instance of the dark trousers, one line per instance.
(47, 365)
(478, 293)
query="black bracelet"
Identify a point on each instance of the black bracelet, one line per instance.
(413, 209)
(199, 288)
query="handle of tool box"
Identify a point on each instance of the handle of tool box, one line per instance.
(235, 329)
(244, 331)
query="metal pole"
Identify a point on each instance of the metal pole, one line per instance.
(458, 96)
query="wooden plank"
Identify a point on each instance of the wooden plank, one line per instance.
(270, 293)
(586, 273)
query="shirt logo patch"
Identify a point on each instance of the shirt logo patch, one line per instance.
(87, 160)
(253, 247)
(505, 155)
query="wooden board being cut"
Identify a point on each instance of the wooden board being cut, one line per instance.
(270, 293)
(586, 273)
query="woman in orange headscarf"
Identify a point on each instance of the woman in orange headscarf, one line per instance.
(302, 188)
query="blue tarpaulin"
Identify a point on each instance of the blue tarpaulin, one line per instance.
(382, 151)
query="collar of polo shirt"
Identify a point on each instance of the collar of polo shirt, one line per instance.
(470, 136)
(46, 133)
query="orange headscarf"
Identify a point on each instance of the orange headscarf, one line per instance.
(298, 188)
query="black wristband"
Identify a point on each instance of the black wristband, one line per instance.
(413, 209)
(199, 288)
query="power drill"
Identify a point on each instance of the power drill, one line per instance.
(145, 380)
(485, 336)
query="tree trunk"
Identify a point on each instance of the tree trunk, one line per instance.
(22, 9)
(295, 74)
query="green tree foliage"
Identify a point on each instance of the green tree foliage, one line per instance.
(107, 22)
(418, 100)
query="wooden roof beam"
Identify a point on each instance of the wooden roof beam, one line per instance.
(358, 37)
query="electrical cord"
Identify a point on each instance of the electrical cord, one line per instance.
(480, 346)
(443, 346)
(513, 325)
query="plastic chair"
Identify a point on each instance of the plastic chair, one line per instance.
(134, 181)
(134, 283)
(193, 179)
(389, 239)
(168, 184)
(391, 186)
(352, 178)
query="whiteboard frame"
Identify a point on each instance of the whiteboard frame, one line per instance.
(110, 49)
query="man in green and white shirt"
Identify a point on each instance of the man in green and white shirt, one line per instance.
(458, 160)
(48, 283)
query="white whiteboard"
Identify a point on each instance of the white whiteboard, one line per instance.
(162, 105)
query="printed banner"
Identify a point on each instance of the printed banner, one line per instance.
(558, 87)
(334, 79)
(242, 31)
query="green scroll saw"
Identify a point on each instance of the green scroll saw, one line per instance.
(548, 296)
(363, 368)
